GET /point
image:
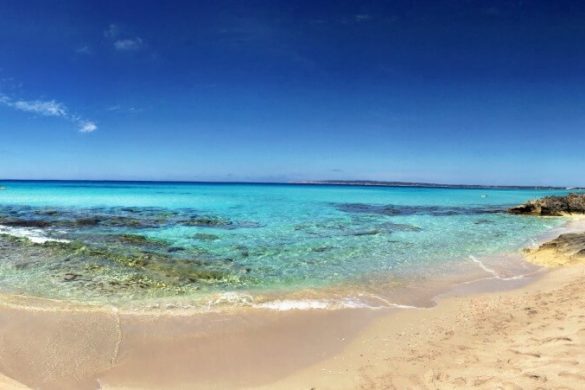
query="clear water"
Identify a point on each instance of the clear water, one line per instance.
(252, 238)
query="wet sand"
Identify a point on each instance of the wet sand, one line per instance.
(56, 346)
(529, 337)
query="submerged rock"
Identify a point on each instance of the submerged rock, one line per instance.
(70, 277)
(140, 240)
(321, 249)
(399, 227)
(112, 217)
(553, 206)
(370, 208)
(205, 237)
(217, 222)
(208, 221)
(395, 210)
(119, 270)
(25, 223)
(90, 221)
(372, 232)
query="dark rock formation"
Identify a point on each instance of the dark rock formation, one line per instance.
(25, 223)
(393, 210)
(553, 206)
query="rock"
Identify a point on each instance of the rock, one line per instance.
(205, 237)
(133, 239)
(90, 221)
(206, 221)
(402, 227)
(570, 243)
(394, 210)
(321, 249)
(367, 233)
(25, 223)
(553, 206)
(568, 248)
(70, 277)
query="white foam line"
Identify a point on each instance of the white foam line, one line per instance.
(491, 271)
(230, 297)
(392, 304)
(324, 304)
(294, 304)
(35, 236)
(243, 299)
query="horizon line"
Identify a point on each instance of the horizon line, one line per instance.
(326, 182)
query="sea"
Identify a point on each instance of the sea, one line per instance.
(220, 246)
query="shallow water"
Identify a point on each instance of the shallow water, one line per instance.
(129, 242)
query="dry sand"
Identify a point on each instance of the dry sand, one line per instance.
(527, 338)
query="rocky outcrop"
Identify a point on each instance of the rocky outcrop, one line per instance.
(571, 244)
(568, 248)
(553, 206)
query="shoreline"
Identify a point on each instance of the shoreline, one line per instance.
(532, 337)
(371, 291)
(296, 348)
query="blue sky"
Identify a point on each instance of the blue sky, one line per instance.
(483, 92)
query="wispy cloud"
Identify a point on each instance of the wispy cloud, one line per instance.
(121, 40)
(46, 108)
(124, 109)
(49, 108)
(129, 44)
(86, 50)
(112, 31)
(362, 17)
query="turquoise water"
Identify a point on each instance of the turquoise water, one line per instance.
(131, 241)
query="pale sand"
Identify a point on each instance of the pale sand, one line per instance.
(527, 338)
(10, 384)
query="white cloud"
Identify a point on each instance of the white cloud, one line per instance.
(84, 50)
(123, 41)
(128, 44)
(87, 127)
(49, 108)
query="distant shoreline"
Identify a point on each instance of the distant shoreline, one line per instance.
(349, 183)
(368, 183)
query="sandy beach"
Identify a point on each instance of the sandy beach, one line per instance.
(523, 338)
(529, 338)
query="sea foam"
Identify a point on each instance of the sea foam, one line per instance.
(493, 272)
(323, 304)
(36, 236)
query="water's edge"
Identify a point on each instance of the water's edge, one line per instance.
(492, 281)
